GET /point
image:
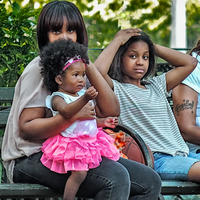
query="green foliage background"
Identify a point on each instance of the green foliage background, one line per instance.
(18, 28)
(17, 42)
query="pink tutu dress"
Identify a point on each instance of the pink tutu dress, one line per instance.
(80, 147)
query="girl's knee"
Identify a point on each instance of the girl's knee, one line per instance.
(194, 172)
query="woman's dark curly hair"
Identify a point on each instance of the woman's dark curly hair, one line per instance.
(115, 68)
(55, 55)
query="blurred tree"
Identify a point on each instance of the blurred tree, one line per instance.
(193, 22)
(102, 18)
(152, 16)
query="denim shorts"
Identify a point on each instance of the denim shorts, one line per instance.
(174, 167)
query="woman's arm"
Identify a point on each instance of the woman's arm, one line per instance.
(35, 127)
(105, 59)
(184, 106)
(184, 64)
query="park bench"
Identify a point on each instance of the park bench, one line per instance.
(17, 191)
(20, 191)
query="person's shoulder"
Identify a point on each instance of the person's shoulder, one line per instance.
(33, 66)
(58, 94)
(193, 80)
(115, 82)
(157, 79)
(158, 83)
(195, 55)
(196, 72)
(49, 98)
(32, 71)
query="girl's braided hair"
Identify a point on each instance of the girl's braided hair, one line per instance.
(55, 55)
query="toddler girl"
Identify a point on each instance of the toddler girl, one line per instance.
(81, 146)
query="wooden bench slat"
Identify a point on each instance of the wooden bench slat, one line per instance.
(26, 190)
(4, 117)
(179, 188)
(6, 94)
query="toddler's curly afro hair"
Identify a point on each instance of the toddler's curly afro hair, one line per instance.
(55, 55)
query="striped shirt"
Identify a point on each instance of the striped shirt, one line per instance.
(193, 81)
(148, 112)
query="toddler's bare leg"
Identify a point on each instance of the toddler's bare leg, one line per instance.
(73, 183)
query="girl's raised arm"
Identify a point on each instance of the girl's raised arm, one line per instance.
(105, 59)
(184, 64)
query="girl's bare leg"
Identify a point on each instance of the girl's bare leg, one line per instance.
(194, 172)
(73, 183)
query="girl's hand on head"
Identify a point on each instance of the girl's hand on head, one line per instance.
(125, 34)
(110, 122)
(91, 93)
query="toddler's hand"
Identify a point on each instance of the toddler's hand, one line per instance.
(111, 122)
(91, 93)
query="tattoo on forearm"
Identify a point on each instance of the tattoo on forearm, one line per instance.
(184, 106)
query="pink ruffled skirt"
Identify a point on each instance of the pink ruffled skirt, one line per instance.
(62, 154)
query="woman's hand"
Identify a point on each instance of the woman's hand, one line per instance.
(107, 122)
(111, 122)
(87, 112)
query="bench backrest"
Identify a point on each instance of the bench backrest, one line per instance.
(6, 98)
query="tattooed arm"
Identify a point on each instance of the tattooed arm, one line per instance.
(184, 106)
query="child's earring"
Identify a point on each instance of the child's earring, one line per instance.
(58, 79)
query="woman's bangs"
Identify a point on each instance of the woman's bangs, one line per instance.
(56, 20)
(73, 21)
(57, 17)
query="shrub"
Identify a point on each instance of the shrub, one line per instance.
(17, 41)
